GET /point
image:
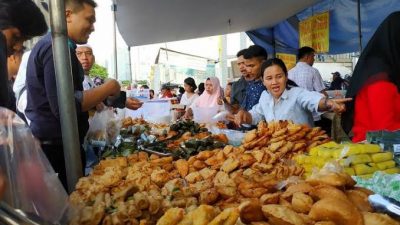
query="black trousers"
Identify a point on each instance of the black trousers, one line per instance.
(325, 124)
(54, 152)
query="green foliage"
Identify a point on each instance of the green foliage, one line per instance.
(98, 71)
(142, 82)
(125, 82)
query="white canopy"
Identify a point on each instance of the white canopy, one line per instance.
(153, 21)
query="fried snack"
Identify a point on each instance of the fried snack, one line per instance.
(227, 149)
(208, 196)
(230, 164)
(204, 155)
(262, 141)
(360, 200)
(325, 223)
(276, 145)
(260, 223)
(301, 202)
(279, 132)
(302, 187)
(250, 136)
(193, 177)
(159, 177)
(270, 198)
(340, 211)
(281, 215)
(258, 155)
(92, 214)
(227, 217)
(297, 136)
(182, 166)
(366, 191)
(187, 219)
(262, 167)
(171, 217)
(314, 131)
(198, 164)
(378, 219)
(203, 214)
(327, 191)
(207, 173)
(293, 128)
(251, 190)
(246, 160)
(250, 211)
(337, 179)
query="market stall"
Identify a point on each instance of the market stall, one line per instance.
(184, 174)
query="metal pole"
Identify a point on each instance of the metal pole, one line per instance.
(114, 9)
(62, 65)
(359, 26)
(130, 64)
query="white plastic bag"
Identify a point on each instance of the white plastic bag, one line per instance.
(204, 114)
(30, 182)
(104, 128)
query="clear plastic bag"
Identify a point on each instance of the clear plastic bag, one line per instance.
(104, 128)
(30, 182)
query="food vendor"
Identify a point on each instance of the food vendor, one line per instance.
(375, 83)
(282, 101)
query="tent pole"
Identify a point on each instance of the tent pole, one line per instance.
(359, 25)
(130, 64)
(114, 43)
(274, 42)
(65, 92)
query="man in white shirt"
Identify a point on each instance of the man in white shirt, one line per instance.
(86, 58)
(304, 75)
(308, 77)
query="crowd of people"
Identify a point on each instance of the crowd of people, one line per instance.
(266, 90)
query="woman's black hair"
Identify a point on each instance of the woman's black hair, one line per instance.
(201, 88)
(281, 64)
(181, 90)
(190, 81)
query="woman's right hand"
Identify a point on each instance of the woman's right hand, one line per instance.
(188, 114)
(242, 117)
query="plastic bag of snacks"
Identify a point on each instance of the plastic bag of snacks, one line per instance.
(382, 183)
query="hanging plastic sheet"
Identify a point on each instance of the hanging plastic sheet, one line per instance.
(30, 182)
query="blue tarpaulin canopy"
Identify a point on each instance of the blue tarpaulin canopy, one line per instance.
(344, 35)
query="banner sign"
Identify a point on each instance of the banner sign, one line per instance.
(314, 32)
(288, 59)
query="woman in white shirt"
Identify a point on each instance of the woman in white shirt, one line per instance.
(189, 96)
(282, 102)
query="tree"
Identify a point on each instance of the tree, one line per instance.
(98, 71)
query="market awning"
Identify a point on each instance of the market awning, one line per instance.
(143, 22)
(344, 34)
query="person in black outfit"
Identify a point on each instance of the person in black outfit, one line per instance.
(338, 83)
(20, 20)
